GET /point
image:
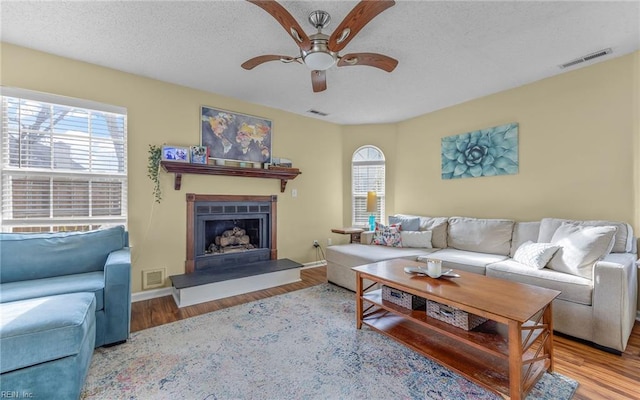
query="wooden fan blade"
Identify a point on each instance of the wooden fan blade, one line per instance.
(287, 21)
(369, 59)
(255, 61)
(361, 14)
(319, 81)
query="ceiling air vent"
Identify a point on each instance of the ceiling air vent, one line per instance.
(316, 112)
(588, 57)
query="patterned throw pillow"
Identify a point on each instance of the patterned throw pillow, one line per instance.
(387, 235)
(535, 255)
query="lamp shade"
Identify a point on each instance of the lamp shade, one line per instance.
(372, 200)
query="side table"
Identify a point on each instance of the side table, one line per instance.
(354, 232)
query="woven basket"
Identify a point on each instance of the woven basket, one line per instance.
(453, 316)
(403, 299)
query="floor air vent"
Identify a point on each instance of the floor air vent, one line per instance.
(153, 278)
(588, 57)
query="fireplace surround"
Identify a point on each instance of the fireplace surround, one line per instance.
(215, 216)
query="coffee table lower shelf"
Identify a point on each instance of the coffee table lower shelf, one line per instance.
(481, 367)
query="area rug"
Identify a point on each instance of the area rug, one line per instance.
(300, 345)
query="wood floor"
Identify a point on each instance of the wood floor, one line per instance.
(601, 375)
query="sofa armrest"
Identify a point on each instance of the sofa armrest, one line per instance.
(366, 237)
(117, 296)
(615, 294)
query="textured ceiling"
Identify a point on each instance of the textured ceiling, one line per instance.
(448, 51)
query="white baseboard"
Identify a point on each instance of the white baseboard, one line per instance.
(314, 264)
(150, 294)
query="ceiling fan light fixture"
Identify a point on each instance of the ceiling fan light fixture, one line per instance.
(319, 60)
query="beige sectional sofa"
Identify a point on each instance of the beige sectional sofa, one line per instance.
(593, 264)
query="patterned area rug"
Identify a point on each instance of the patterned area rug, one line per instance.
(300, 345)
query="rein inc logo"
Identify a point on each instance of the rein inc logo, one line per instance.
(14, 394)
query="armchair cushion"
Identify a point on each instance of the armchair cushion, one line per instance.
(44, 255)
(92, 282)
(43, 329)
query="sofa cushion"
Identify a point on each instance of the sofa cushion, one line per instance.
(437, 225)
(491, 236)
(522, 232)
(408, 223)
(416, 239)
(43, 329)
(535, 255)
(573, 288)
(92, 282)
(352, 255)
(387, 235)
(580, 248)
(43, 255)
(623, 242)
(464, 260)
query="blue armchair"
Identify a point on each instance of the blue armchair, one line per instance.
(67, 293)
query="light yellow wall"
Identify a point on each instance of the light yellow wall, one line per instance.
(160, 113)
(579, 153)
(382, 136)
(578, 146)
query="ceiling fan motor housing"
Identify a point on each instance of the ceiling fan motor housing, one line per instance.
(319, 57)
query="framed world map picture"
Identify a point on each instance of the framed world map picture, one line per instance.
(234, 136)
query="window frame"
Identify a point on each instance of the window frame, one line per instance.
(95, 196)
(358, 197)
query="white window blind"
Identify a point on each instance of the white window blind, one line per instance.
(63, 163)
(367, 173)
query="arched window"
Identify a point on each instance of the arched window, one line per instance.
(367, 174)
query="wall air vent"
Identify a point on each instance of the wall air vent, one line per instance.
(316, 112)
(588, 57)
(153, 278)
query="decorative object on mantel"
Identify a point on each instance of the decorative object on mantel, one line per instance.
(281, 162)
(284, 174)
(153, 169)
(234, 136)
(199, 154)
(487, 152)
(175, 153)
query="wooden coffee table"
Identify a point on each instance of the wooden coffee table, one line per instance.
(506, 354)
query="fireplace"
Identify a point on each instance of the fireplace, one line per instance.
(226, 231)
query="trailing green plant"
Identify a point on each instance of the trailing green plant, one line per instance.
(153, 170)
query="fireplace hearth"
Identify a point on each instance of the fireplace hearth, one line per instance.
(231, 249)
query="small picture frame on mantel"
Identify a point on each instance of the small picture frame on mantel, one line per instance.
(175, 153)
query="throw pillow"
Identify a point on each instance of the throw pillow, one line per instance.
(416, 239)
(387, 235)
(580, 247)
(408, 223)
(535, 255)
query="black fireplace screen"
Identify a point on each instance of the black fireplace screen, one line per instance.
(231, 233)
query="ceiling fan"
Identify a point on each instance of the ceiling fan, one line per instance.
(319, 51)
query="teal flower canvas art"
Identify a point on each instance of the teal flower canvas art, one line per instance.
(485, 152)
